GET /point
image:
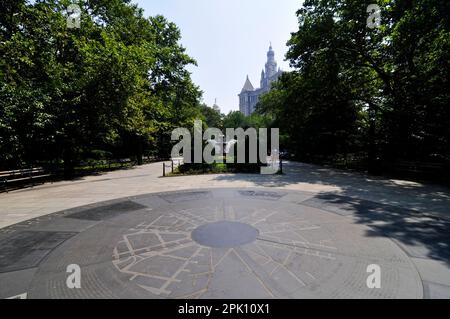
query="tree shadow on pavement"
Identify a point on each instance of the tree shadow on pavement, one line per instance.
(414, 215)
(412, 195)
(420, 235)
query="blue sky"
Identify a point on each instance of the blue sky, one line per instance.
(229, 39)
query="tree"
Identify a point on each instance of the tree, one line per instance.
(356, 90)
(236, 119)
(212, 117)
(117, 85)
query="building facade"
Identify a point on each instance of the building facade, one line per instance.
(249, 96)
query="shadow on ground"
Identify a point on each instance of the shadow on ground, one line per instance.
(420, 235)
(412, 195)
(403, 211)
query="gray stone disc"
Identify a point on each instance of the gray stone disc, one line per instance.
(225, 234)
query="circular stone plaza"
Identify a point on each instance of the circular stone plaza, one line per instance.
(313, 232)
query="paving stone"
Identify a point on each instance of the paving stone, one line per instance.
(108, 211)
(185, 196)
(27, 249)
(436, 291)
(222, 244)
(262, 194)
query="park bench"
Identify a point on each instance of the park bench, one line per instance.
(125, 161)
(22, 177)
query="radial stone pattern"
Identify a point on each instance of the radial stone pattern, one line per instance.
(220, 243)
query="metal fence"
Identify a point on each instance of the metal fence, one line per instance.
(174, 163)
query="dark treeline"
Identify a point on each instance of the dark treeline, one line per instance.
(367, 97)
(113, 88)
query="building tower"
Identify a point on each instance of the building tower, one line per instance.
(263, 79)
(249, 96)
(246, 97)
(271, 65)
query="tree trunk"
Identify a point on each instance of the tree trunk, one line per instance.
(139, 152)
(373, 158)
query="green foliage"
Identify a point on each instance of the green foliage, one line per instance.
(372, 94)
(217, 168)
(119, 84)
(236, 119)
(212, 117)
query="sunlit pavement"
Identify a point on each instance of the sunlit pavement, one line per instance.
(312, 233)
(29, 203)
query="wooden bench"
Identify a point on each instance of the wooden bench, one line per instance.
(22, 177)
(125, 161)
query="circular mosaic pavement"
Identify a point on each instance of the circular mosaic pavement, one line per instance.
(220, 243)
